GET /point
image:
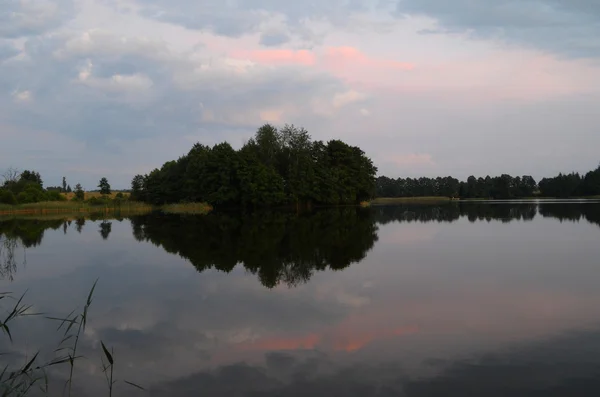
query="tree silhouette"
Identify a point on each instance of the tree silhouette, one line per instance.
(105, 229)
(104, 186)
(79, 193)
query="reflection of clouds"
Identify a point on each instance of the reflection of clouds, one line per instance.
(179, 332)
(565, 365)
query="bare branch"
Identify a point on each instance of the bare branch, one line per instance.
(11, 175)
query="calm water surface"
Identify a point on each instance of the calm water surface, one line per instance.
(452, 300)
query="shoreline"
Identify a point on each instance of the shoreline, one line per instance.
(137, 208)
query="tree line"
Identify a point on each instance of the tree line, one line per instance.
(501, 187)
(275, 167)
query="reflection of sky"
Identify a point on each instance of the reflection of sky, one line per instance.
(427, 299)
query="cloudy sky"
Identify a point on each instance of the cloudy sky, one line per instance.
(92, 88)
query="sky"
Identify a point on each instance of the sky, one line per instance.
(113, 88)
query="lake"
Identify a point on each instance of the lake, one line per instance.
(458, 299)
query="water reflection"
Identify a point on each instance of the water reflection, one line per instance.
(16, 235)
(487, 212)
(281, 247)
(105, 229)
(460, 299)
(555, 367)
(278, 247)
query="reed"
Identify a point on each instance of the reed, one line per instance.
(22, 380)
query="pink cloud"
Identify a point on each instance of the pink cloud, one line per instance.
(345, 62)
(277, 56)
(348, 336)
(340, 57)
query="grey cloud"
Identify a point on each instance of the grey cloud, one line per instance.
(180, 101)
(297, 11)
(29, 18)
(7, 51)
(565, 27)
(213, 15)
(274, 39)
(248, 16)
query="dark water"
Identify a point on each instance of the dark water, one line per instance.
(453, 300)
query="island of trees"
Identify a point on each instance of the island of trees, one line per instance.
(275, 167)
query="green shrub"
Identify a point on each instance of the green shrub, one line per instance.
(98, 201)
(94, 201)
(55, 196)
(24, 198)
(7, 197)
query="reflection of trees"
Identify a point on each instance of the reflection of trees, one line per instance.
(105, 229)
(280, 246)
(79, 223)
(502, 212)
(589, 212)
(451, 212)
(8, 263)
(416, 213)
(276, 246)
(20, 233)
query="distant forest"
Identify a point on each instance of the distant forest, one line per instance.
(500, 187)
(275, 167)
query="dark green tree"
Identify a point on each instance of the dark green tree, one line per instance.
(32, 176)
(591, 183)
(7, 197)
(104, 186)
(273, 168)
(79, 193)
(137, 188)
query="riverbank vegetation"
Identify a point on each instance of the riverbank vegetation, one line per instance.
(91, 206)
(23, 193)
(274, 168)
(500, 187)
(187, 208)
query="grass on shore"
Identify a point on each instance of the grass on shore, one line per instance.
(77, 207)
(55, 207)
(187, 208)
(416, 200)
(89, 195)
